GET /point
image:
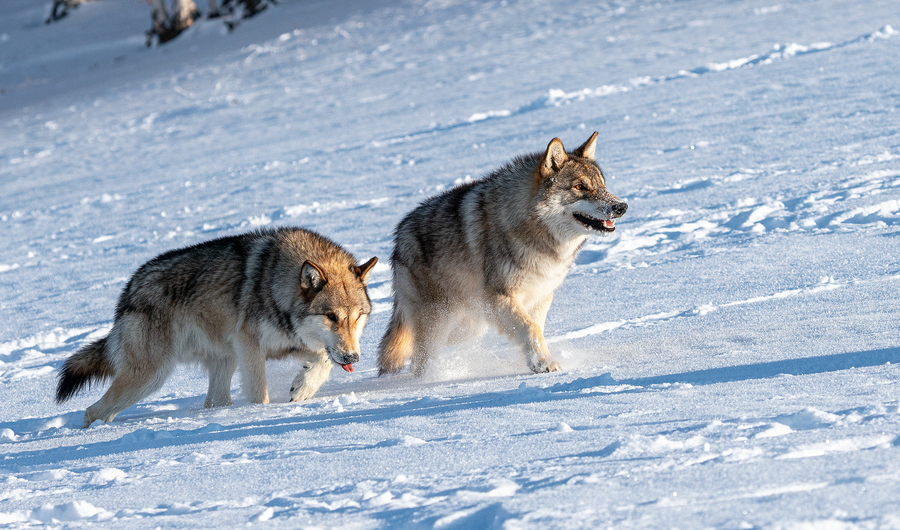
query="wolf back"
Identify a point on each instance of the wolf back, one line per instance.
(228, 303)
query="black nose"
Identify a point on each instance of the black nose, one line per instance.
(351, 358)
(619, 209)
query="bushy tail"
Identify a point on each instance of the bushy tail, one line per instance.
(90, 364)
(396, 345)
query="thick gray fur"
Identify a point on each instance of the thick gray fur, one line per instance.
(228, 303)
(492, 252)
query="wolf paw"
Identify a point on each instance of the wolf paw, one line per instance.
(301, 394)
(90, 416)
(544, 367)
(210, 403)
(386, 367)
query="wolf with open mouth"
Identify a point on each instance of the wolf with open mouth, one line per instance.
(492, 252)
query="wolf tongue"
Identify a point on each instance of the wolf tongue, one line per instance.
(347, 367)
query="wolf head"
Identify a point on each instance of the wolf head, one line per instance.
(333, 309)
(571, 191)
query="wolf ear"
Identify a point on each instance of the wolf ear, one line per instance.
(363, 270)
(587, 148)
(312, 279)
(554, 158)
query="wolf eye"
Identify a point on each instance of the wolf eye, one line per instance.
(580, 187)
(332, 317)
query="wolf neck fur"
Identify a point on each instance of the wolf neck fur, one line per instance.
(527, 223)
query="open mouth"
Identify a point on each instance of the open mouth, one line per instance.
(602, 225)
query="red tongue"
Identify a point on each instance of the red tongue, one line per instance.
(347, 367)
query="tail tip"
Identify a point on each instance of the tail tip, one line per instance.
(66, 387)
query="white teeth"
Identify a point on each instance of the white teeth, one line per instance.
(594, 223)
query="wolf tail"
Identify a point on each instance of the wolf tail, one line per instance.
(89, 364)
(396, 345)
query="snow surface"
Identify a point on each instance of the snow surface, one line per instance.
(730, 357)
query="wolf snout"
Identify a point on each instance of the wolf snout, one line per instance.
(619, 208)
(345, 360)
(350, 358)
(342, 357)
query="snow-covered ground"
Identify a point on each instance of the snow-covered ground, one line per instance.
(730, 357)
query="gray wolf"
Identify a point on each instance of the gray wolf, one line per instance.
(492, 252)
(229, 302)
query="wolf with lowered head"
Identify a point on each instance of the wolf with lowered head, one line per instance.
(228, 303)
(491, 253)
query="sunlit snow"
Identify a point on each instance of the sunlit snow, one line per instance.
(730, 358)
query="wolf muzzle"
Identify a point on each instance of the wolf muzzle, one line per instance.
(346, 360)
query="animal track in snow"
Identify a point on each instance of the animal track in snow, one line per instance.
(556, 97)
(825, 284)
(36, 355)
(728, 441)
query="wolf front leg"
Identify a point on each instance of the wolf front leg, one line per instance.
(221, 370)
(514, 322)
(253, 367)
(539, 312)
(315, 371)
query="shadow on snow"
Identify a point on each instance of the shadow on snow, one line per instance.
(429, 406)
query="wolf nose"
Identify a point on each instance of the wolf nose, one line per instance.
(619, 209)
(351, 358)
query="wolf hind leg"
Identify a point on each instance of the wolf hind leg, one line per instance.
(429, 332)
(221, 370)
(421, 354)
(129, 386)
(315, 371)
(397, 344)
(141, 357)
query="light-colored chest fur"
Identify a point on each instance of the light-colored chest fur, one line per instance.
(542, 274)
